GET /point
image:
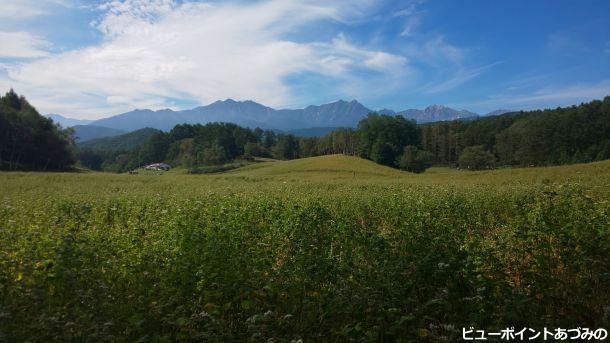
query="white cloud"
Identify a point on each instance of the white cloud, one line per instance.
(439, 49)
(410, 8)
(413, 18)
(461, 76)
(27, 9)
(22, 45)
(343, 55)
(446, 63)
(411, 24)
(558, 95)
(19, 10)
(543, 97)
(566, 44)
(157, 50)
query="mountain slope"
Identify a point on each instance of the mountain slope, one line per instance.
(138, 119)
(436, 113)
(83, 133)
(251, 114)
(123, 142)
(335, 114)
(67, 122)
(244, 113)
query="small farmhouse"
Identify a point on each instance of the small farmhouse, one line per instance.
(158, 166)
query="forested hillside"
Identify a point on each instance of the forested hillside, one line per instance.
(29, 141)
(84, 133)
(549, 137)
(124, 142)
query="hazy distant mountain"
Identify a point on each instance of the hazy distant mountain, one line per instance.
(67, 122)
(336, 114)
(387, 111)
(498, 112)
(83, 133)
(251, 114)
(245, 113)
(437, 113)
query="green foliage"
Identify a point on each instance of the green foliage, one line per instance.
(286, 147)
(29, 141)
(476, 158)
(415, 160)
(90, 159)
(560, 136)
(551, 137)
(383, 153)
(155, 149)
(382, 138)
(242, 256)
(120, 143)
(256, 149)
(214, 155)
(213, 169)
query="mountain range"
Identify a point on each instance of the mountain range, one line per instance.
(251, 114)
(68, 122)
(433, 113)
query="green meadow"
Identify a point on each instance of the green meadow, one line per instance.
(331, 248)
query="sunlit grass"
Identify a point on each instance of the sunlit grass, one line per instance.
(327, 248)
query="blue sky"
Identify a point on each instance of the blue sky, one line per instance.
(88, 59)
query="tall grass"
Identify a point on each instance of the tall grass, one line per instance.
(255, 256)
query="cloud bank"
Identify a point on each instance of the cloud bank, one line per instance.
(159, 53)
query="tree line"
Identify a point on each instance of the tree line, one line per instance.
(574, 134)
(29, 141)
(380, 138)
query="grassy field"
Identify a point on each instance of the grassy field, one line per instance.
(330, 248)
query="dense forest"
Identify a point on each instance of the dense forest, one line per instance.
(550, 137)
(29, 141)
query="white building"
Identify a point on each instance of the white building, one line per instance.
(158, 166)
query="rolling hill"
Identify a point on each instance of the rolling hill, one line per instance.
(344, 169)
(122, 142)
(83, 133)
(322, 167)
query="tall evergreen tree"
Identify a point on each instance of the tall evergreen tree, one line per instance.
(29, 141)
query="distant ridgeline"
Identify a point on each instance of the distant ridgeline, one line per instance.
(574, 134)
(29, 141)
(550, 137)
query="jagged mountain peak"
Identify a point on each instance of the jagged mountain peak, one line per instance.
(435, 107)
(340, 113)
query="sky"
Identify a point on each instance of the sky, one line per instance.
(91, 59)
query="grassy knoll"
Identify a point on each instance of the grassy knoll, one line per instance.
(326, 248)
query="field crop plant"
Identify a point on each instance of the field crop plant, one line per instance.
(245, 257)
